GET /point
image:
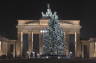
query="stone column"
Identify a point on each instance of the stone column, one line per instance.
(18, 44)
(75, 43)
(21, 42)
(6, 48)
(32, 41)
(14, 50)
(0, 48)
(94, 49)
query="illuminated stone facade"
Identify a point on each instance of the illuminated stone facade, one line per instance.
(88, 48)
(7, 47)
(30, 33)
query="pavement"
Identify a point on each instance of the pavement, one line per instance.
(47, 60)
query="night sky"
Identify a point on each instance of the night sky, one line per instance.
(10, 11)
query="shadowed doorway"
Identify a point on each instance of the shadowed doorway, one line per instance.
(86, 51)
(36, 43)
(72, 44)
(25, 44)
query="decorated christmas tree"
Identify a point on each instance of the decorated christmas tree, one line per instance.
(54, 37)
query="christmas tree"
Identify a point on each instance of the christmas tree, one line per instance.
(54, 37)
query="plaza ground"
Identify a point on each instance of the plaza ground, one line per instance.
(50, 60)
